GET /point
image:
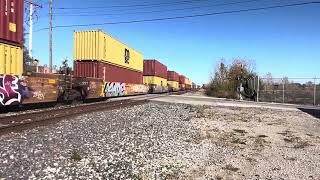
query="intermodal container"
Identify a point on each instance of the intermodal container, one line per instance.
(99, 46)
(11, 22)
(173, 76)
(174, 85)
(154, 68)
(155, 80)
(11, 60)
(188, 81)
(182, 86)
(182, 79)
(107, 72)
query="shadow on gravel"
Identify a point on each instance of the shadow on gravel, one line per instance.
(313, 112)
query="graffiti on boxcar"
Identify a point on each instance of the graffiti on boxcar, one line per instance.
(93, 87)
(39, 95)
(139, 88)
(13, 90)
(9, 93)
(114, 89)
(24, 90)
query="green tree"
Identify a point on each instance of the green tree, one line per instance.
(27, 60)
(227, 78)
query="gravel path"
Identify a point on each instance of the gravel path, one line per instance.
(168, 141)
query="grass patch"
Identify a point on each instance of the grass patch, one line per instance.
(75, 155)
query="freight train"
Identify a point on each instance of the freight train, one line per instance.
(103, 67)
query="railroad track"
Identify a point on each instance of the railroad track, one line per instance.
(33, 119)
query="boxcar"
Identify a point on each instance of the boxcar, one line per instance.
(155, 76)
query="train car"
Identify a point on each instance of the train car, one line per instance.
(155, 76)
(35, 88)
(173, 81)
(188, 84)
(99, 55)
(182, 82)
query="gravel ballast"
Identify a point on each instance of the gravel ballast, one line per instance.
(168, 141)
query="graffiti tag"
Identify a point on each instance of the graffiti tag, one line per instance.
(137, 88)
(9, 90)
(114, 89)
(39, 95)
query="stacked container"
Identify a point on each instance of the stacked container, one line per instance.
(11, 37)
(182, 81)
(98, 55)
(188, 83)
(154, 73)
(173, 81)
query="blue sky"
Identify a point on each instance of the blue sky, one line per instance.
(285, 42)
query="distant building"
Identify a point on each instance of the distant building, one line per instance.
(45, 69)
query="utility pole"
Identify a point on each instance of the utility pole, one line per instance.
(50, 43)
(32, 6)
(30, 28)
(314, 91)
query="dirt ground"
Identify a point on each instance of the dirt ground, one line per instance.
(256, 143)
(164, 139)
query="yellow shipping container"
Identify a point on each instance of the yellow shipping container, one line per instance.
(154, 80)
(97, 45)
(11, 60)
(174, 84)
(188, 81)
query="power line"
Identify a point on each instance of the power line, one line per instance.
(177, 9)
(184, 17)
(137, 5)
(34, 4)
(128, 9)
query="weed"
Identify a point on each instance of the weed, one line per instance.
(75, 156)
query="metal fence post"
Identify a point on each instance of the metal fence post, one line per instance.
(283, 90)
(258, 89)
(314, 91)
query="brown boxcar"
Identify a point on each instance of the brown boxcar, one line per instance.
(154, 68)
(11, 22)
(173, 76)
(36, 88)
(107, 72)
